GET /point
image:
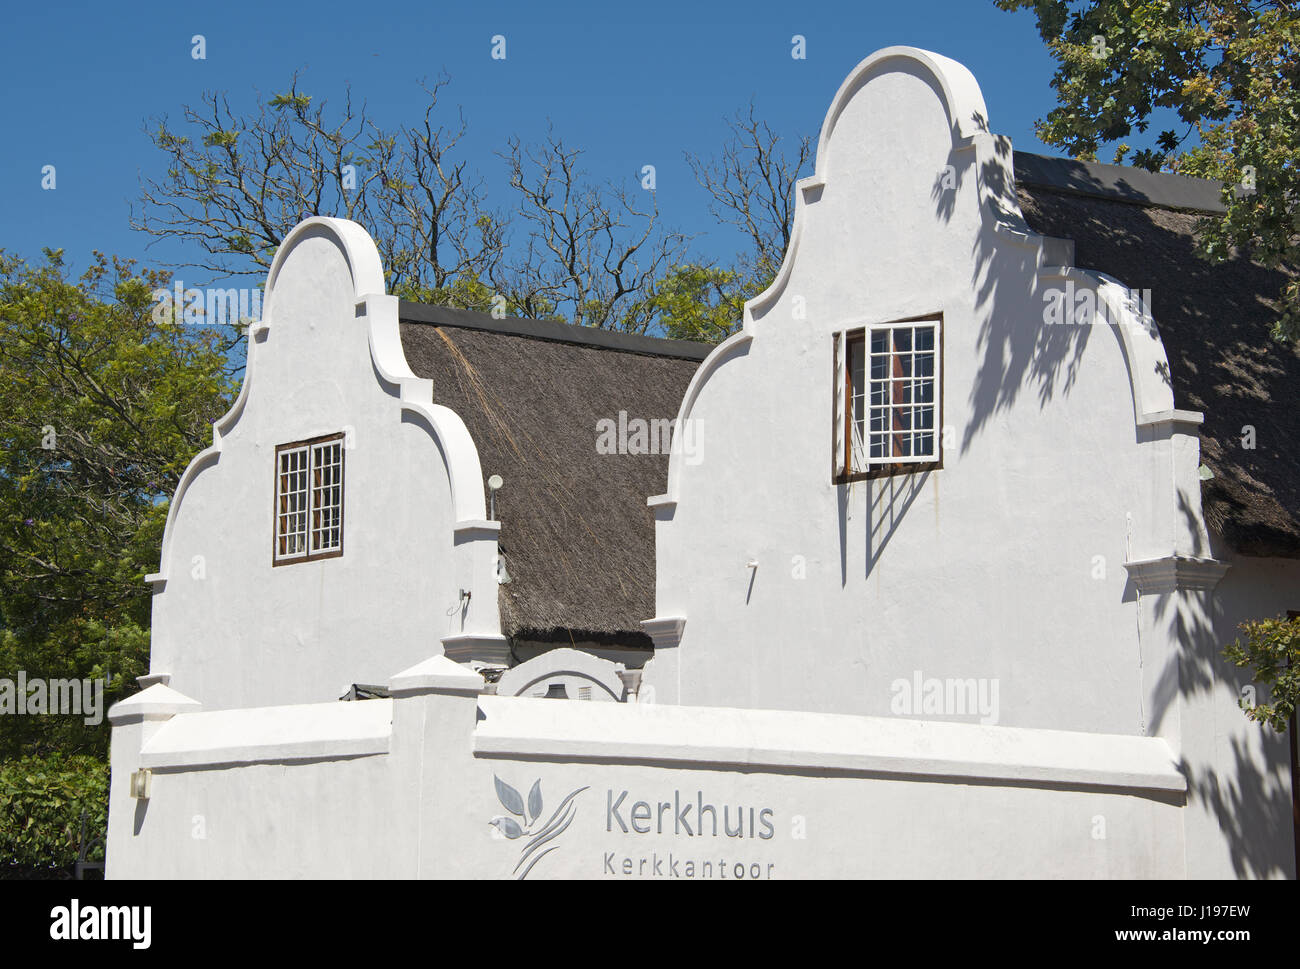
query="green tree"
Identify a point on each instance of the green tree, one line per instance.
(698, 302)
(751, 188)
(1271, 647)
(42, 801)
(1223, 74)
(104, 402)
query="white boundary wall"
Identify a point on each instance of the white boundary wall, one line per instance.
(406, 788)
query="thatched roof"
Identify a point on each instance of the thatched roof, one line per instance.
(576, 534)
(1214, 319)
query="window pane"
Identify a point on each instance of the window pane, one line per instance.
(291, 503)
(857, 403)
(893, 410)
(327, 495)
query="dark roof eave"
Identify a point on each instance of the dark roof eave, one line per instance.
(552, 330)
(557, 635)
(1119, 183)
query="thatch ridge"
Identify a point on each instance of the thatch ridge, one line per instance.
(1215, 322)
(576, 533)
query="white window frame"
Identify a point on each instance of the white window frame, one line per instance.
(316, 498)
(852, 458)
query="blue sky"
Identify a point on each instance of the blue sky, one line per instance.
(632, 84)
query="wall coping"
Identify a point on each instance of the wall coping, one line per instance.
(814, 743)
(252, 735)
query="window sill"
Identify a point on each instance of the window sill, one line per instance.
(310, 557)
(888, 471)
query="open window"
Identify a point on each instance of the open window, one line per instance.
(888, 380)
(309, 500)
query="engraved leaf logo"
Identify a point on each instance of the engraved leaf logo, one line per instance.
(507, 826)
(535, 800)
(541, 837)
(509, 798)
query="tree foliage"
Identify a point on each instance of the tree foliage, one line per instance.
(1224, 75)
(42, 801)
(103, 408)
(1271, 648)
(699, 302)
(237, 182)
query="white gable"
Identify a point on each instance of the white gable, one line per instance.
(1062, 458)
(232, 628)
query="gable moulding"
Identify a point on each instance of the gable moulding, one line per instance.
(1139, 338)
(379, 313)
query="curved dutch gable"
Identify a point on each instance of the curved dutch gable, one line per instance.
(235, 629)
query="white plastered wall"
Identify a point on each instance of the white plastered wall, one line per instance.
(1059, 553)
(982, 569)
(231, 630)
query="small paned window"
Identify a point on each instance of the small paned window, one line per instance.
(309, 500)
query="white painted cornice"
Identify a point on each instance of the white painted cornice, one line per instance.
(491, 650)
(665, 631)
(1175, 573)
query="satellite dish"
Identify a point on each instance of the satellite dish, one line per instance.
(495, 483)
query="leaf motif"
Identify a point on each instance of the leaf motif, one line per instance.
(508, 826)
(535, 800)
(509, 797)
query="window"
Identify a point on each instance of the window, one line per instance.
(887, 380)
(309, 500)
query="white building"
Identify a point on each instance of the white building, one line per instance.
(951, 537)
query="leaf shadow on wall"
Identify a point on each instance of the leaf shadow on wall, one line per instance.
(1019, 350)
(1250, 803)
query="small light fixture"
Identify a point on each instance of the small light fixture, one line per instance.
(140, 780)
(494, 485)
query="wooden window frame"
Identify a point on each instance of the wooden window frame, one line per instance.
(842, 411)
(309, 556)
